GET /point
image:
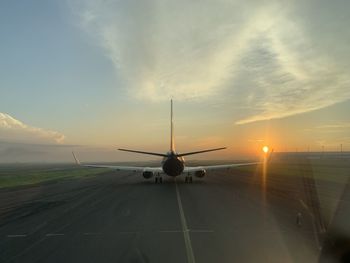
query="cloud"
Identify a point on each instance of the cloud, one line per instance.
(263, 56)
(13, 130)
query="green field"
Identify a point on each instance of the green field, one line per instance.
(27, 174)
(336, 170)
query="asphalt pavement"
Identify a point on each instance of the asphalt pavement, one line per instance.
(228, 216)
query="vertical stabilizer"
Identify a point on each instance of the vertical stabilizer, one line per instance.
(172, 143)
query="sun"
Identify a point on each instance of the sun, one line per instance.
(265, 149)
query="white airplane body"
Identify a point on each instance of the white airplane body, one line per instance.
(173, 163)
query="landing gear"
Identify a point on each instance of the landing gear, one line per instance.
(188, 179)
(158, 179)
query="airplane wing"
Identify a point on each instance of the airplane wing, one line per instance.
(121, 168)
(217, 167)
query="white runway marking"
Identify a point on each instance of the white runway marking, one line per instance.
(16, 235)
(185, 230)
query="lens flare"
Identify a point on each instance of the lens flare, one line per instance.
(265, 149)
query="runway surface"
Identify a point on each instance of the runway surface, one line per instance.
(121, 217)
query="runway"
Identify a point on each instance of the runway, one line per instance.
(121, 217)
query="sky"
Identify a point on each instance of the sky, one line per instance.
(93, 75)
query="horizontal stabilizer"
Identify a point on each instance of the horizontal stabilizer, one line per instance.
(142, 152)
(203, 151)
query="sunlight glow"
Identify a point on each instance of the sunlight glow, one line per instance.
(265, 149)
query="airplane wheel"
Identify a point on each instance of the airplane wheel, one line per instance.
(156, 180)
(161, 180)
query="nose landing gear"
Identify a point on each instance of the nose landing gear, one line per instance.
(188, 179)
(158, 179)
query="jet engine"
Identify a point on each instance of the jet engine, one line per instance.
(147, 174)
(200, 173)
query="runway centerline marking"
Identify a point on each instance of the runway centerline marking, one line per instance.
(185, 230)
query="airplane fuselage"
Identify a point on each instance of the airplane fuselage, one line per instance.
(173, 165)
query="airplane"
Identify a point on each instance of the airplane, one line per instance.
(173, 163)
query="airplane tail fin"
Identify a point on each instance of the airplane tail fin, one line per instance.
(172, 142)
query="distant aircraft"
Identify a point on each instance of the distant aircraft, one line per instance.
(173, 163)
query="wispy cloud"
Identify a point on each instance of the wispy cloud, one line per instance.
(12, 129)
(255, 55)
